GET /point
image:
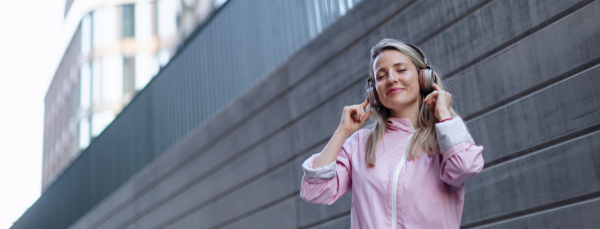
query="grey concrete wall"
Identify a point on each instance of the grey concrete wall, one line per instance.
(524, 76)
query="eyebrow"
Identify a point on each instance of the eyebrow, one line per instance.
(396, 64)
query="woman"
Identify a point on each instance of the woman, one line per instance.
(406, 170)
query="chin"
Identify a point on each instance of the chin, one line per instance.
(399, 104)
(396, 105)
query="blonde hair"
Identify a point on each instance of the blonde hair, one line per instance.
(424, 138)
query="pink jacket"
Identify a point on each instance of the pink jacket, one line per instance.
(398, 192)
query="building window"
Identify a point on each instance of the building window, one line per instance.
(86, 35)
(167, 17)
(128, 25)
(112, 78)
(103, 26)
(128, 75)
(146, 66)
(143, 21)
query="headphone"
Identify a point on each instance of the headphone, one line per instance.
(426, 79)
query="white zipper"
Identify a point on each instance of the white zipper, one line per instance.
(396, 174)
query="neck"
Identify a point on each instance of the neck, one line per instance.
(411, 112)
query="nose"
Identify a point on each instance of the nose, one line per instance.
(393, 77)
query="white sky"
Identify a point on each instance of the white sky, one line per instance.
(28, 32)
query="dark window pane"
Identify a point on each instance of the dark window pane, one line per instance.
(128, 74)
(128, 20)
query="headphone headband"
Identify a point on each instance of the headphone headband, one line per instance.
(420, 52)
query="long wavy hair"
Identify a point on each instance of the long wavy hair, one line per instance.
(424, 139)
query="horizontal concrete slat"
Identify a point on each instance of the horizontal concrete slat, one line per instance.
(425, 18)
(282, 216)
(243, 169)
(263, 124)
(499, 22)
(554, 174)
(566, 171)
(339, 223)
(580, 215)
(554, 112)
(248, 102)
(250, 198)
(362, 18)
(310, 214)
(540, 59)
(320, 124)
(352, 64)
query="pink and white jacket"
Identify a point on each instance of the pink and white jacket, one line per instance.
(398, 192)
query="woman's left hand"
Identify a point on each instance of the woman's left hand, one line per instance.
(441, 100)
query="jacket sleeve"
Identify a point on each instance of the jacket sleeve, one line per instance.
(325, 185)
(462, 159)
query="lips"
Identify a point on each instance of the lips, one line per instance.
(394, 90)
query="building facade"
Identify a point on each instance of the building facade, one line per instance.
(115, 51)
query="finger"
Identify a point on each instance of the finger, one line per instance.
(428, 97)
(361, 109)
(360, 113)
(352, 113)
(358, 110)
(365, 103)
(431, 96)
(365, 116)
(437, 88)
(356, 113)
(426, 100)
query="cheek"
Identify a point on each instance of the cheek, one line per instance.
(413, 81)
(413, 84)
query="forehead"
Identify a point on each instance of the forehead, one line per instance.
(389, 58)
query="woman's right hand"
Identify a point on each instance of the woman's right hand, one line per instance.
(354, 117)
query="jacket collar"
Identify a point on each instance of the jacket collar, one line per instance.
(403, 124)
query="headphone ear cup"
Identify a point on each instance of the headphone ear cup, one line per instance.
(373, 100)
(426, 80)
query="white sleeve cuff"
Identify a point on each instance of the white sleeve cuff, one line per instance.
(325, 172)
(451, 132)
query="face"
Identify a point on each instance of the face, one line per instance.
(396, 80)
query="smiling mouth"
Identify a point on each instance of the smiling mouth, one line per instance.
(395, 90)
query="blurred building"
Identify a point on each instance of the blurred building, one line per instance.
(194, 61)
(116, 49)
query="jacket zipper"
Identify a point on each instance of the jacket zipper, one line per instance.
(396, 174)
